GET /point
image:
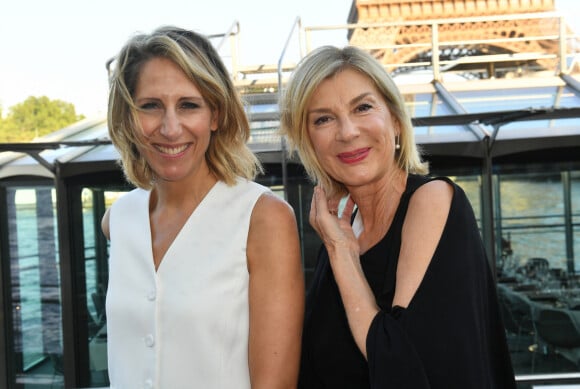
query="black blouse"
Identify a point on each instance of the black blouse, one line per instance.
(450, 336)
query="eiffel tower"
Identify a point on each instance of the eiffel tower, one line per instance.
(401, 32)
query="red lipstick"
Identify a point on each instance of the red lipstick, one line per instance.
(354, 156)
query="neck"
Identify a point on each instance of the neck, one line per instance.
(377, 205)
(184, 196)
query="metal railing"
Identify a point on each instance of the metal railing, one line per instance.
(433, 49)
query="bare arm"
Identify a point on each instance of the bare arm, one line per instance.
(422, 230)
(344, 253)
(105, 224)
(424, 223)
(276, 295)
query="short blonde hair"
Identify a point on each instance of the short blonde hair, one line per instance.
(316, 67)
(228, 155)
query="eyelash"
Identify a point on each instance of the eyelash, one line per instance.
(189, 105)
(359, 108)
(321, 120)
(148, 106)
(154, 105)
(366, 107)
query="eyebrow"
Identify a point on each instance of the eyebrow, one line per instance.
(359, 98)
(157, 98)
(352, 101)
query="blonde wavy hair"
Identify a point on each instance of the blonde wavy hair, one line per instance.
(228, 155)
(316, 67)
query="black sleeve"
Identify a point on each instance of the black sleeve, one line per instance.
(393, 361)
(451, 334)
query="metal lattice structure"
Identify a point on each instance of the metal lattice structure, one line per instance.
(399, 32)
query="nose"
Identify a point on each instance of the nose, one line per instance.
(171, 125)
(347, 130)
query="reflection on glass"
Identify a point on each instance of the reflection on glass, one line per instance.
(94, 203)
(575, 200)
(538, 288)
(36, 344)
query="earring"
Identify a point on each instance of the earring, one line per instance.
(397, 144)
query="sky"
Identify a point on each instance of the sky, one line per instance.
(59, 48)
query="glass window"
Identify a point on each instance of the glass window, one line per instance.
(471, 185)
(568, 98)
(36, 344)
(575, 200)
(422, 105)
(426, 105)
(532, 218)
(94, 203)
(96, 273)
(538, 291)
(507, 99)
(542, 128)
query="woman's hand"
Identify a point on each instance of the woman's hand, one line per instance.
(335, 230)
(344, 254)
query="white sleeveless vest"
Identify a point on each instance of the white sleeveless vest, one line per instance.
(186, 325)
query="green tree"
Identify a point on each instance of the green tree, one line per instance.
(9, 132)
(36, 116)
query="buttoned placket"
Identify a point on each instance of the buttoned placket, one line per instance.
(149, 339)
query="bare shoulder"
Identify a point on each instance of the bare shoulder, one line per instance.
(271, 209)
(435, 193)
(273, 230)
(430, 204)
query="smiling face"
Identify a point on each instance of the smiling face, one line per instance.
(352, 130)
(176, 122)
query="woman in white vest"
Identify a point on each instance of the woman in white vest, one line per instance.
(205, 286)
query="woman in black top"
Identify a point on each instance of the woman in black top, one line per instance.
(403, 295)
